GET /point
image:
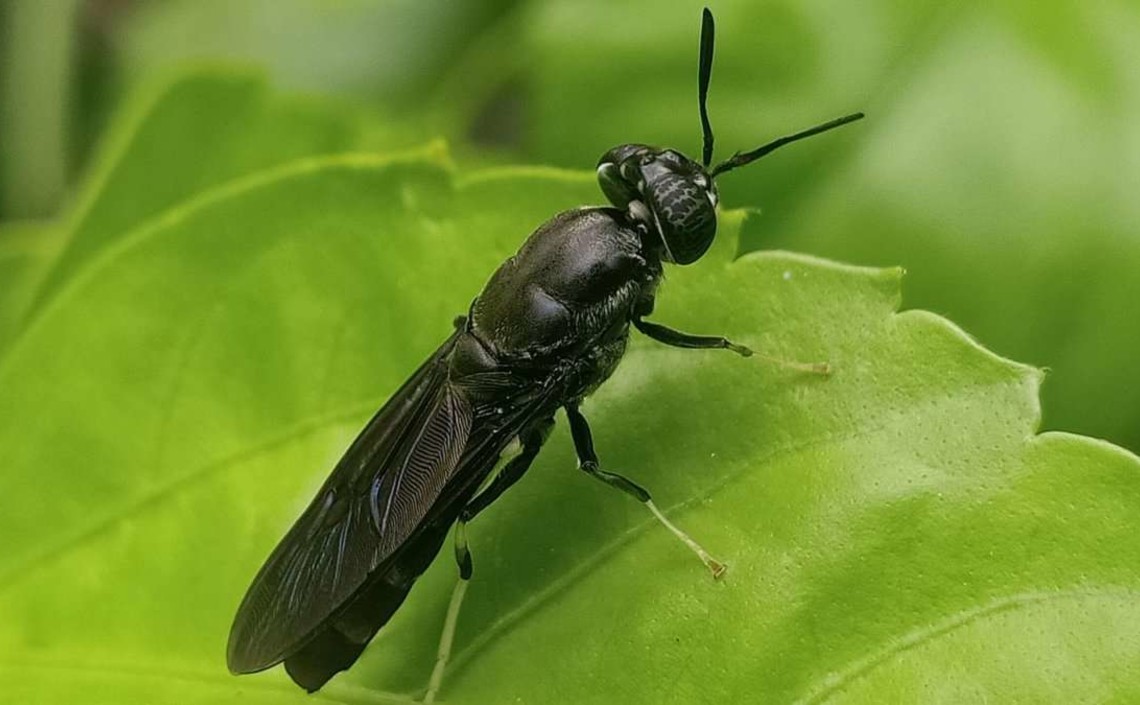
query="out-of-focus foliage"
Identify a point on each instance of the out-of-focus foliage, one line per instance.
(393, 50)
(179, 397)
(37, 49)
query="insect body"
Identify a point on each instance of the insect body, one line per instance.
(548, 328)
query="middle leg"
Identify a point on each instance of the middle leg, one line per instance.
(588, 462)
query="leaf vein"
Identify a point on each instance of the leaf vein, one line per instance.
(835, 683)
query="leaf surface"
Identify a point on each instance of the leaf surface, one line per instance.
(183, 135)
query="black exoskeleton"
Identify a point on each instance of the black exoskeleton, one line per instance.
(550, 325)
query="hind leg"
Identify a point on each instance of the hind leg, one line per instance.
(532, 441)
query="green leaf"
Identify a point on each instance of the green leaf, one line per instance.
(895, 531)
(195, 131)
(27, 250)
(995, 162)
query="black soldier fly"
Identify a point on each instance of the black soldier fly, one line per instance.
(548, 328)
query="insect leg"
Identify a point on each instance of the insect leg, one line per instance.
(685, 340)
(678, 339)
(588, 462)
(532, 440)
(443, 654)
(448, 635)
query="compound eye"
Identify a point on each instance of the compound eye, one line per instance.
(685, 216)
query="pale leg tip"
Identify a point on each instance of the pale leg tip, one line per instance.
(717, 568)
(814, 368)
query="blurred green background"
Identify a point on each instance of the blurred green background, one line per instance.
(999, 162)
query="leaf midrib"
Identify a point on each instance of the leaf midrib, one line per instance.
(857, 669)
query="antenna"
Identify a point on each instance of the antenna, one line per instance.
(707, 31)
(739, 159)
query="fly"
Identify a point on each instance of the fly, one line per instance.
(549, 327)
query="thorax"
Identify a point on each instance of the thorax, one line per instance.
(572, 285)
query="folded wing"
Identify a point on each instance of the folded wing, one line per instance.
(363, 516)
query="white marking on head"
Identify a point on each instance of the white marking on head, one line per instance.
(639, 212)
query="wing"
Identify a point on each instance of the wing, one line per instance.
(341, 639)
(373, 500)
(378, 521)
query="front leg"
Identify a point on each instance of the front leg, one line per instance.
(678, 339)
